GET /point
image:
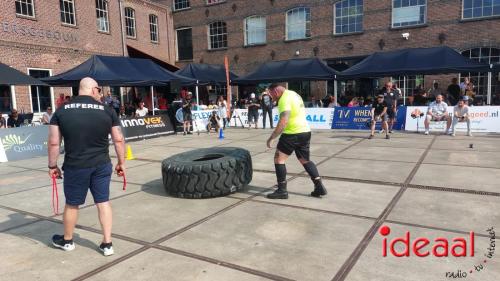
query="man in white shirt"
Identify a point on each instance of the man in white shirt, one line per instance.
(461, 114)
(47, 116)
(437, 111)
(141, 111)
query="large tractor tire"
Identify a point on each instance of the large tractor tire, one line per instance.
(207, 173)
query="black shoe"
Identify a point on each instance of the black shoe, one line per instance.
(390, 132)
(370, 137)
(189, 133)
(59, 242)
(279, 193)
(319, 189)
(106, 249)
(184, 133)
(387, 137)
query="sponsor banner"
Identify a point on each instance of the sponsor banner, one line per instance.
(484, 119)
(23, 143)
(146, 127)
(318, 118)
(200, 119)
(358, 118)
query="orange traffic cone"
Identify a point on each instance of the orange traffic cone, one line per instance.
(129, 155)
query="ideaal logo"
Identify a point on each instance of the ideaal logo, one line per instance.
(17, 144)
(440, 247)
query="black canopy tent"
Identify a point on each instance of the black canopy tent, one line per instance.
(289, 70)
(11, 76)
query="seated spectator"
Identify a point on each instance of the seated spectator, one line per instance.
(162, 103)
(3, 122)
(353, 102)
(47, 116)
(315, 103)
(379, 113)
(15, 120)
(496, 99)
(213, 122)
(141, 111)
(332, 102)
(129, 110)
(437, 111)
(122, 113)
(461, 114)
(115, 104)
(60, 100)
(67, 99)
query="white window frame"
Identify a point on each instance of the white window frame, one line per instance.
(210, 36)
(404, 26)
(188, 6)
(177, 44)
(105, 12)
(245, 30)
(215, 2)
(154, 28)
(335, 18)
(73, 15)
(307, 32)
(132, 20)
(32, 8)
(52, 100)
(475, 18)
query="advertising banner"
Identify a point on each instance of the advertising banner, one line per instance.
(200, 119)
(23, 143)
(318, 118)
(358, 118)
(484, 119)
(146, 127)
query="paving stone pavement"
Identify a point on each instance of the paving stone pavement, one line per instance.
(430, 186)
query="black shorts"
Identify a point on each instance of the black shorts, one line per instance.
(253, 116)
(187, 116)
(299, 143)
(391, 113)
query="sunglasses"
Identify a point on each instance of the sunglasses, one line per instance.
(98, 89)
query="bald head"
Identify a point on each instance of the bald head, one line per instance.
(87, 86)
(276, 91)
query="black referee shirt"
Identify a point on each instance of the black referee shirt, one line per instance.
(85, 125)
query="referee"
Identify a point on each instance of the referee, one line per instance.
(295, 136)
(85, 124)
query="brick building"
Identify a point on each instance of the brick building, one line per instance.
(48, 37)
(339, 32)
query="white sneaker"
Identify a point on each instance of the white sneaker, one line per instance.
(469, 134)
(426, 133)
(107, 249)
(452, 134)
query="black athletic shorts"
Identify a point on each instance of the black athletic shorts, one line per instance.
(299, 143)
(253, 116)
(391, 113)
(187, 116)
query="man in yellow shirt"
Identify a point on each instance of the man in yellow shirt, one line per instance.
(295, 136)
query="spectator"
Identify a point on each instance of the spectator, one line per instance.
(453, 91)
(213, 122)
(461, 114)
(47, 116)
(464, 84)
(129, 110)
(496, 99)
(267, 108)
(437, 111)
(115, 104)
(470, 92)
(186, 113)
(108, 99)
(15, 120)
(434, 92)
(222, 110)
(162, 103)
(379, 113)
(353, 102)
(332, 102)
(3, 122)
(253, 111)
(391, 98)
(60, 100)
(122, 113)
(141, 111)
(361, 101)
(316, 103)
(67, 99)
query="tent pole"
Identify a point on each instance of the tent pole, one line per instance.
(152, 99)
(489, 89)
(404, 90)
(38, 98)
(197, 95)
(13, 97)
(335, 95)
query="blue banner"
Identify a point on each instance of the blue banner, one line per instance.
(358, 118)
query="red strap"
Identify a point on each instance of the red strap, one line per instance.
(55, 194)
(124, 182)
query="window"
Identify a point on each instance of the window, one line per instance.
(480, 80)
(298, 24)
(303, 88)
(414, 83)
(130, 22)
(101, 9)
(480, 8)
(255, 30)
(184, 44)
(210, 2)
(217, 36)
(25, 8)
(41, 96)
(67, 11)
(5, 99)
(348, 16)
(153, 28)
(408, 12)
(181, 4)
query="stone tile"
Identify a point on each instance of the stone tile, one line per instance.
(151, 214)
(39, 260)
(252, 146)
(450, 210)
(297, 244)
(142, 174)
(34, 163)
(464, 158)
(484, 179)
(395, 172)
(260, 182)
(265, 161)
(322, 149)
(10, 219)
(402, 142)
(155, 264)
(373, 266)
(158, 153)
(450, 143)
(24, 181)
(344, 197)
(202, 141)
(6, 170)
(383, 153)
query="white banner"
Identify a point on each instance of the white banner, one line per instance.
(318, 118)
(485, 119)
(3, 156)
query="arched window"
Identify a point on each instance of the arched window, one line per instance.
(298, 23)
(255, 30)
(480, 79)
(130, 22)
(217, 35)
(348, 16)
